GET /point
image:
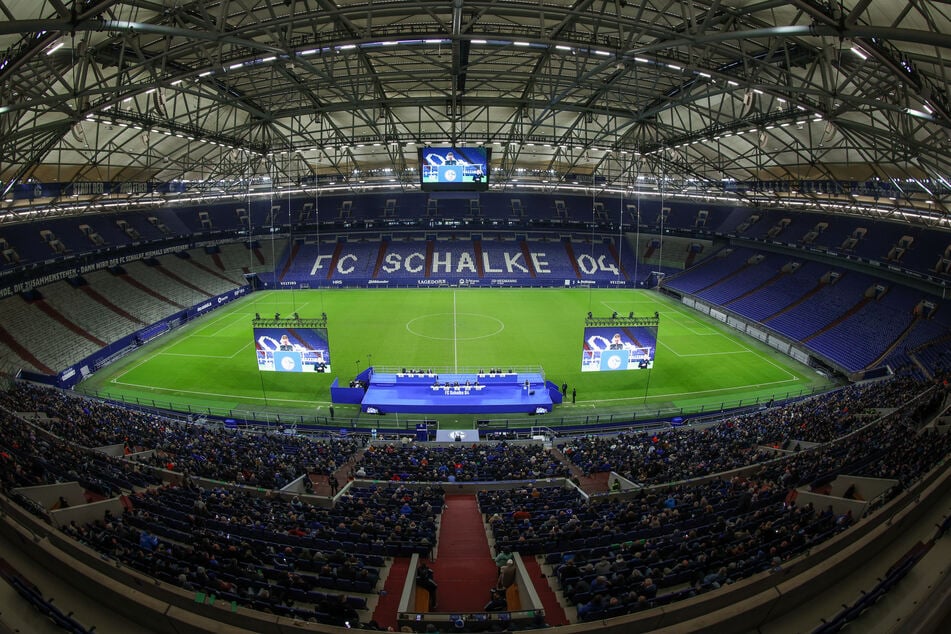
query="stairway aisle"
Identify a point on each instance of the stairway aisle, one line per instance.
(554, 612)
(386, 609)
(464, 569)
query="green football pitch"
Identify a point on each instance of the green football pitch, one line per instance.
(209, 365)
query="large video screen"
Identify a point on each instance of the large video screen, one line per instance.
(610, 348)
(454, 168)
(292, 349)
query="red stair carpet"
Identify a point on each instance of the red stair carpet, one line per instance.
(595, 483)
(385, 612)
(554, 612)
(464, 568)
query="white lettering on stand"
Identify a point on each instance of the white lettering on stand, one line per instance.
(511, 263)
(319, 264)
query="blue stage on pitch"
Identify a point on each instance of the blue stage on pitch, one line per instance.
(457, 393)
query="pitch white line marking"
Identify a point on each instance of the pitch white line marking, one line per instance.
(735, 388)
(455, 338)
(202, 356)
(255, 398)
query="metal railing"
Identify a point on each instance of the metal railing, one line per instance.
(604, 417)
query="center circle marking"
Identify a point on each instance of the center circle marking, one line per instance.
(411, 322)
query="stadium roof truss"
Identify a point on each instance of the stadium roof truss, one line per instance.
(683, 97)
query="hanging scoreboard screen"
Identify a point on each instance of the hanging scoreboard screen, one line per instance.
(293, 349)
(610, 348)
(454, 168)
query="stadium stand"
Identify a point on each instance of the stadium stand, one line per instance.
(850, 318)
(758, 270)
(236, 259)
(190, 270)
(612, 558)
(480, 463)
(81, 307)
(669, 456)
(48, 341)
(783, 292)
(143, 306)
(876, 238)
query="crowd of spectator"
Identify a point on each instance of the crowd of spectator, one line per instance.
(618, 556)
(277, 555)
(613, 554)
(29, 457)
(737, 441)
(459, 463)
(266, 460)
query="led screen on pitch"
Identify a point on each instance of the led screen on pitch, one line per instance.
(292, 349)
(609, 348)
(454, 168)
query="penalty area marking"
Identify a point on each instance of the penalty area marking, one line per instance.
(454, 315)
(203, 356)
(743, 350)
(701, 328)
(739, 342)
(705, 329)
(237, 316)
(215, 322)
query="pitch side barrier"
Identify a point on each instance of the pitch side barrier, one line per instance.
(610, 421)
(450, 282)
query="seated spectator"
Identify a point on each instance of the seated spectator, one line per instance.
(648, 588)
(148, 541)
(596, 604)
(600, 584)
(602, 566)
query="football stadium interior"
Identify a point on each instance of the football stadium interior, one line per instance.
(475, 316)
